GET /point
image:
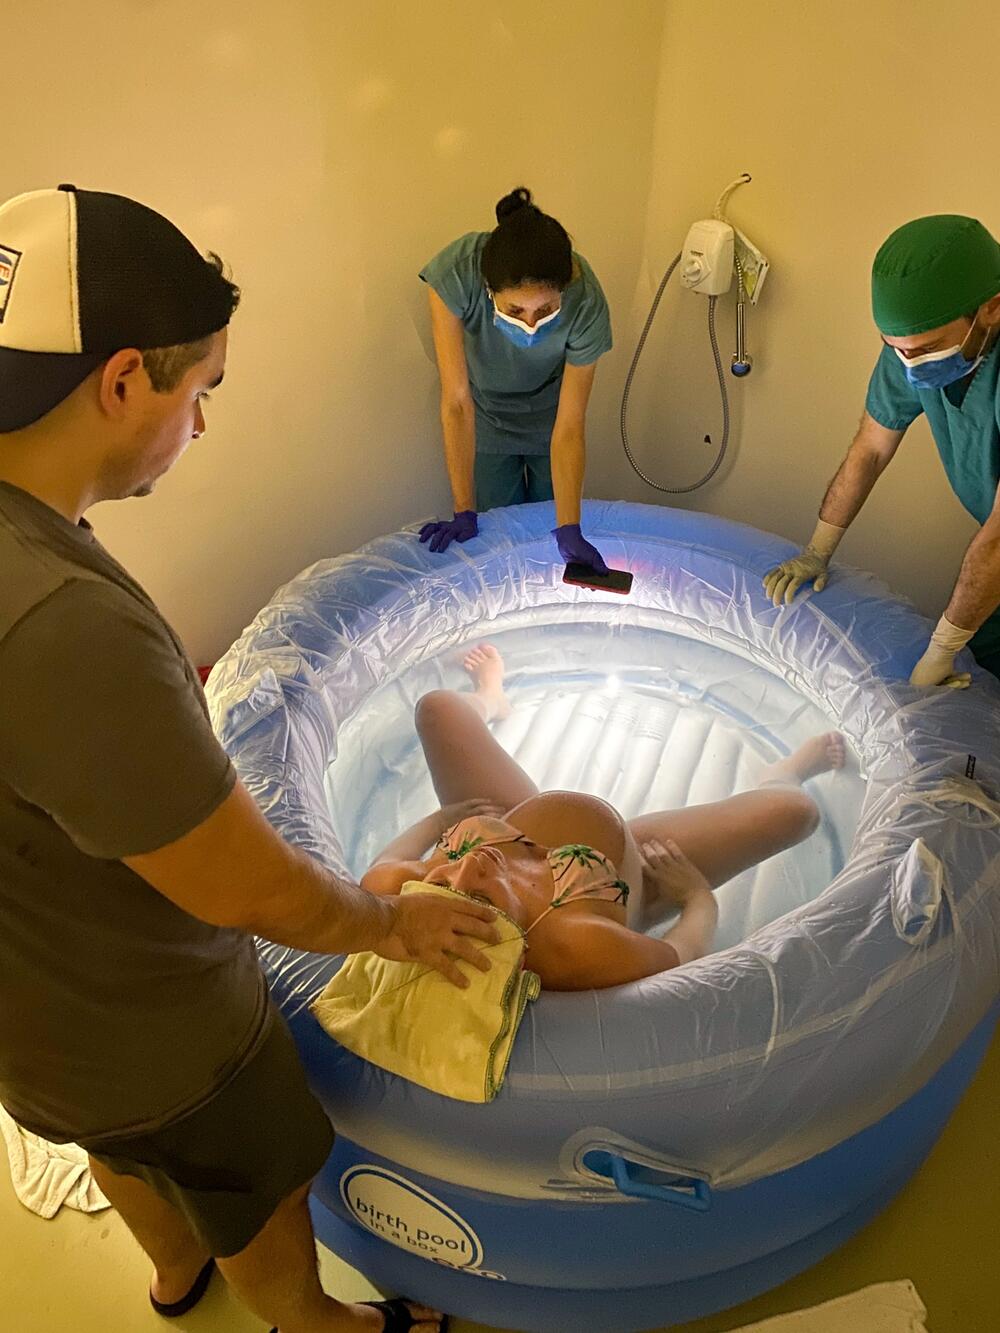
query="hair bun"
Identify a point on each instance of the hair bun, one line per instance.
(514, 202)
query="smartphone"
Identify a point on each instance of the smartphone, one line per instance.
(615, 580)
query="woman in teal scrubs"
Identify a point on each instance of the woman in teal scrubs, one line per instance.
(936, 302)
(519, 322)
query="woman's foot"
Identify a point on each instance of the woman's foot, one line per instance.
(818, 755)
(485, 665)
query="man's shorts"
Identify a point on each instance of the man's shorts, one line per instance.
(228, 1165)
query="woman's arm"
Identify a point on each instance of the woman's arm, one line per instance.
(569, 452)
(595, 952)
(678, 880)
(458, 422)
(692, 935)
(412, 843)
(403, 859)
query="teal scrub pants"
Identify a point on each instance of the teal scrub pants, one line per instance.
(511, 479)
(985, 645)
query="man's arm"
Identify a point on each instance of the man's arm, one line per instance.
(870, 453)
(120, 691)
(234, 870)
(458, 422)
(975, 597)
(977, 592)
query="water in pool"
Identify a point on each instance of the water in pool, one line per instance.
(644, 718)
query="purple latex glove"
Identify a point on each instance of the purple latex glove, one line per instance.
(440, 535)
(574, 548)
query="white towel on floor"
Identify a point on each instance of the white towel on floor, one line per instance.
(887, 1307)
(47, 1175)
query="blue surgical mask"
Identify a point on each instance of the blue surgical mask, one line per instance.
(521, 334)
(935, 370)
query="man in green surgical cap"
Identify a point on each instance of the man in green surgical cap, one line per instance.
(936, 302)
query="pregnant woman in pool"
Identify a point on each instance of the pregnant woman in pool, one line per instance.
(583, 882)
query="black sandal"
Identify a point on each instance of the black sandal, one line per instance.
(174, 1309)
(397, 1316)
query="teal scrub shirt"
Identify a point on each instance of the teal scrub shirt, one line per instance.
(964, 418)
(516, 389)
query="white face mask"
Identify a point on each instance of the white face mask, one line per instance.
(529, 329)
(519, 333)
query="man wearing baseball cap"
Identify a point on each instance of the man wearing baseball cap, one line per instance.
(135, 868)
(936, 302)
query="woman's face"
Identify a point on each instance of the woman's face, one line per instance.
(529, 303)
(477, 873)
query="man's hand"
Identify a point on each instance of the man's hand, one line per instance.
(461, 528)
(935, 667)
(811, 565)
(434, 930)
(459, 810)
(783, 582)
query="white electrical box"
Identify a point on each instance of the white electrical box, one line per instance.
(707, 258)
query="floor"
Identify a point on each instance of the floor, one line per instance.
(86, 1274)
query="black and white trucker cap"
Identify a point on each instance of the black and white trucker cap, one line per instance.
(82, 275)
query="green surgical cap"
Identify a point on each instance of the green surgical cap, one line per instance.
(932, 270)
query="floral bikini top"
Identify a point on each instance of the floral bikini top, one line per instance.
(578, 871)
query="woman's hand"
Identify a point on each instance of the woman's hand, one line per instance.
(459, 810)
(575, 549)
(670, 874)
(461, 528)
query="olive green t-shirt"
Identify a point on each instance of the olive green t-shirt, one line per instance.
(119, 1012)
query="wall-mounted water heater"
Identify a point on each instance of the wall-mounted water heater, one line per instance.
(713, 252)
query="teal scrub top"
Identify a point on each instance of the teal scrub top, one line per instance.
(964, 418)
(516, 389)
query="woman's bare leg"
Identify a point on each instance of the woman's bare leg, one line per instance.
(726, 837)
(464, 759)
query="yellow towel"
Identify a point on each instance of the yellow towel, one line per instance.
(408, 1019)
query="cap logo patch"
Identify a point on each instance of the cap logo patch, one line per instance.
(8, 267)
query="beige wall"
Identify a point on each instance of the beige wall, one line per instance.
(326, 149)
(851, 119)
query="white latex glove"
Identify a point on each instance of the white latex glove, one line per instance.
(811, 565)
(935, 667)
